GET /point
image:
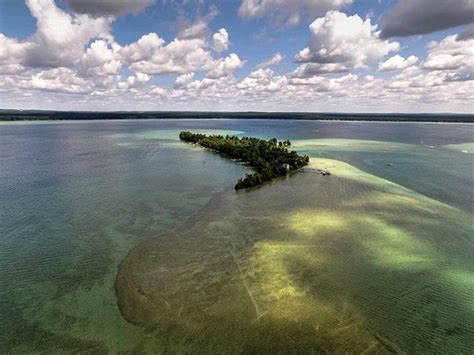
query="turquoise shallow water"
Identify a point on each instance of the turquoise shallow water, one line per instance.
(77, 196)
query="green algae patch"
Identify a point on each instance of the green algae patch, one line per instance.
(349, 263)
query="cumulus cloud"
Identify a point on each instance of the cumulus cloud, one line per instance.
(397, 62)
(143, 49)
(453, 57)
(277, 58)
(320, 82)
(60, 38)
(340, 43)
(107, 7)
(61, 80)
(448, 67)
(262, 82)
(412, 17)
(225, 66)
(180, 56)
(70, 50)
(12, 54)
(287, 11)
(68, 53)
(150, 55)
(220, 40)
(449, 54)
(414, 78)
(208, 90)
(184, 79)
(102, 58)
(323, 84)
(134, 81)
(75, 63)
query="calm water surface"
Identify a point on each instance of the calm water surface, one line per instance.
(75, 197)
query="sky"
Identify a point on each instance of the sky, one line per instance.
(238, 55)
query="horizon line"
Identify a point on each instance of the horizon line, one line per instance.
(4, 110)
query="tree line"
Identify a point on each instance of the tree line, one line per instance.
(13, 115)
(268, 158)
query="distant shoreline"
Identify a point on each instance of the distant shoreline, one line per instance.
(35, 115)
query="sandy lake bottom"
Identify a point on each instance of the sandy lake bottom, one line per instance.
(346, 263)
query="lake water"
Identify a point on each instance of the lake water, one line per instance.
(377, 257)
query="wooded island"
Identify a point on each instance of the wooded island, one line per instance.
(269, 158)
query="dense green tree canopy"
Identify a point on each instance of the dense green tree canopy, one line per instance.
(269, 158)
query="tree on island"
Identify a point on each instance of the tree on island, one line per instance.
(268, 158)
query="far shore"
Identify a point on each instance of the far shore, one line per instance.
(38, 115)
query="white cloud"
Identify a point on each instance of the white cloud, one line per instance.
(73, 54)
(449, 54)
(159, 91)
(184, 79)
(323, 83)
(340, 43)
(102, 58)
(225, 66)
(9, 69)
(81, 51)
(207, 90)
(74, 62)
(59, 41)
(220, 40)
(143, 49)
(60, 38)
(134, 82)
(397, 62)
(150, 55)
(262, 81)
(60, 79)
(454, 58)
(11, 50)
(414, 77)
(277, 58)
(177, 57)
(287, 10)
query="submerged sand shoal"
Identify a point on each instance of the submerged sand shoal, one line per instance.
(349, 263)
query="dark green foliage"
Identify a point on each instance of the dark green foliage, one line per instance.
(269, 159)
